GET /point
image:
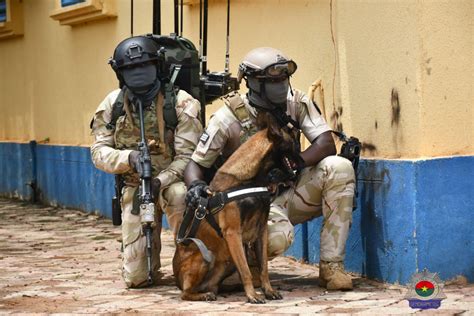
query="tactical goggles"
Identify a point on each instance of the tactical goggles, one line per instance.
(281, 69)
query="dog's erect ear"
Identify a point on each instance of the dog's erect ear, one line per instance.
(274, 131)
(262, 120)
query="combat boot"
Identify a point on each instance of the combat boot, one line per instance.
(333, 277)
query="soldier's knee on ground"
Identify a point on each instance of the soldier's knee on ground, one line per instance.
(134, 263)
(280, 237)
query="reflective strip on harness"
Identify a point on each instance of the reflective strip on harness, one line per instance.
(246, 191)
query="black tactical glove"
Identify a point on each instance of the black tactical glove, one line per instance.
(196, 190)
(134, 161)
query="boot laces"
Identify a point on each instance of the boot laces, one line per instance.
(336, 266)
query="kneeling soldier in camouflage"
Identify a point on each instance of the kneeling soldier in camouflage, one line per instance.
(172, 136)
(325, 182)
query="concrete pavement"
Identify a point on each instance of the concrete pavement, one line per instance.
(55, 260)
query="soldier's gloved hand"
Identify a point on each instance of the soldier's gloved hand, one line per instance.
(196, 190)
(134, 161)
(155, 188)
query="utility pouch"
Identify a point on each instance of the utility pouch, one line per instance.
(116, 212)
(116, 207)
(136, 202)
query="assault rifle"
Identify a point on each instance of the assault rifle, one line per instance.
(147, 205)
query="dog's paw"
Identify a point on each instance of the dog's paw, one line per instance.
(255, 299)
(209, 296)
(273, 295)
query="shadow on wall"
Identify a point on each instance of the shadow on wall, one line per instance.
(387, 221)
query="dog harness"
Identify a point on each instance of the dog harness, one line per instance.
(207, 208)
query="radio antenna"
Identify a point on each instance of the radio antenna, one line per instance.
(157, 17)
(226, 67)
(176, 22)
(200, 36)
(204, 44)
(131, 18)
(181, 19)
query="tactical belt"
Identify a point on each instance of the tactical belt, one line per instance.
(207, 208)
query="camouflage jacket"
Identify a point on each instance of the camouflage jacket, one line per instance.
(170, 150)
(234, 122)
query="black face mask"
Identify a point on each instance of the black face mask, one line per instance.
(268, 94)
(139, 79)
(142, 81)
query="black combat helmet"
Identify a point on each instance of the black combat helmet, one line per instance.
(134, 51)
(136, 63)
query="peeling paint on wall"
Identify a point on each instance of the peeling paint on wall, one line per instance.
(395, 107)
(396, 121)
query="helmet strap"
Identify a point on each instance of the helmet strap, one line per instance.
(277, 110)
(291, 88)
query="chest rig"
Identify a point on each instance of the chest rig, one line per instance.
(159, 130)
(237, 106)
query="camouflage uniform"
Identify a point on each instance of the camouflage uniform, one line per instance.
(170, 153)
(325, 189)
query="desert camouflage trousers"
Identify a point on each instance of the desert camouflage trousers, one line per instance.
(134, 260)
(326, 189)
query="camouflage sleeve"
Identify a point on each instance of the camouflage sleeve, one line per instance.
(186, 136)
(104, 156)
(213, 140)
(312, 123)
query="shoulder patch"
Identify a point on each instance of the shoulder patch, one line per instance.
(204, 138)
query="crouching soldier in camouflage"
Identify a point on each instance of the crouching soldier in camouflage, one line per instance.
(325, 183)
(172, 137)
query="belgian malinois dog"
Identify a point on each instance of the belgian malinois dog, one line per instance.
(243, 222)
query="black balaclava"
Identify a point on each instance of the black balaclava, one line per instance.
(142, 82)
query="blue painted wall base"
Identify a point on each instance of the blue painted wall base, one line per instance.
(64, 176)
(410, 214)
